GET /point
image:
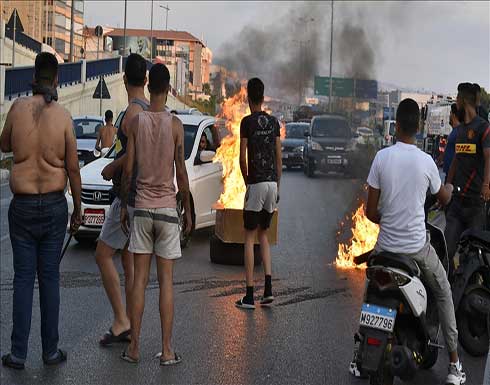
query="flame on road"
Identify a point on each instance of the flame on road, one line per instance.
(233, 110)
(364, 237)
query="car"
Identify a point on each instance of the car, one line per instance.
(364, 135)
(328, 146)
(86, 130)
(190, 111)
(293, 145)
(205, 182)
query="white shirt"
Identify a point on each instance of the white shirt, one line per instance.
(403, 173)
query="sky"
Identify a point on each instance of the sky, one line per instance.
(431, 45)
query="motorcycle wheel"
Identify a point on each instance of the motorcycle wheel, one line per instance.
(472, 325)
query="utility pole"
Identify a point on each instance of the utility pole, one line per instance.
(125, 12)
(72, 30)
(13, 37)
(166, 9)
(331, 55)
(151, 34)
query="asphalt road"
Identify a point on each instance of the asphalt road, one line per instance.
(305, 338)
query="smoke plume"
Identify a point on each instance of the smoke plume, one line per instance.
(289, 52)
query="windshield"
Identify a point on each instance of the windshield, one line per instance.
(87, 128)
(190, 132)
(330, 127)
(296, 131)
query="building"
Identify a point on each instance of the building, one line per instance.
(186, 56)
(49, 22)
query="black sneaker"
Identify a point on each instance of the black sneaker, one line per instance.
(245, 303)
(267, 300)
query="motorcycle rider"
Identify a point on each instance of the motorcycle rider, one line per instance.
(469, 171)
(398, 181)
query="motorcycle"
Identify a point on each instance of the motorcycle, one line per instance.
(471, 290)
(399, 325)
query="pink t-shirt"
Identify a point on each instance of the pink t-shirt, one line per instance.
(155, 148)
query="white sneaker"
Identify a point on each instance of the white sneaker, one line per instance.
(456, 376)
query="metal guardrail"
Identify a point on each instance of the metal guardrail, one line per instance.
(22, 39)
(18, 81)
(97, 68)
(69, 73)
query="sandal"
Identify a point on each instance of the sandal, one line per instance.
(174, 361)
(109, 338)
(126, 357)
(9, 363)
(61, 356)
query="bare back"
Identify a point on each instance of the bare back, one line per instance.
(107, 136)
(39, 136)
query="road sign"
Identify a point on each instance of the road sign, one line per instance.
(101, 86)
(18, 24)
(99, 31)
(366, 89)
(340, 86)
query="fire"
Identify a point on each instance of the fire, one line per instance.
(234, 109)
(283, 130)
(364, 237)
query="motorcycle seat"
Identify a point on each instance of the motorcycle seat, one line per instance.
(478, 235)
(397, 261)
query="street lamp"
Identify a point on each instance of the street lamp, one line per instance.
(166, 8)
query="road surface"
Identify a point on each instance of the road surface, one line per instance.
(305, 338)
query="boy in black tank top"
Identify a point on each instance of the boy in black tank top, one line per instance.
(112, 236)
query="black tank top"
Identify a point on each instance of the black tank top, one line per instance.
(121, 145)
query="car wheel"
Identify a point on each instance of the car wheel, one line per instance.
(230, 253)
(184, 239)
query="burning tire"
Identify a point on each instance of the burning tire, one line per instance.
(230, 253)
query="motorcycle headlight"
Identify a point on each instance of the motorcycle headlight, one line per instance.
(298, 149)
(316, 146)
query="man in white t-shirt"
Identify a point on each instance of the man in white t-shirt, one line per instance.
(398, 182)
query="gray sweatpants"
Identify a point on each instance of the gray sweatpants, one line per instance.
(435, 277)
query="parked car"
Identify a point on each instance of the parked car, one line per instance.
(205, 181)
(86, 130)
(328, 145)
(293, 145)
(364, 135)
(190, 111)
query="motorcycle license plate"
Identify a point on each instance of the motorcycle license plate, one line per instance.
(94, 217)
(377, 317)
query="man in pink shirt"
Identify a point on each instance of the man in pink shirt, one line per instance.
(156, 149)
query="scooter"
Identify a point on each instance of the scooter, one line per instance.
(471, 290)
(399, 325)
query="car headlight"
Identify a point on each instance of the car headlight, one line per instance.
(298, 149)
(282, 148)
(316, 146)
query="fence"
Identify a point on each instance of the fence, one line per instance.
(24, 40)
(18, 80)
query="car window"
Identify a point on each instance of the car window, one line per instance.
(190, 132)
(295, 131)
(208, 131)
(87, 128)
(328, 127)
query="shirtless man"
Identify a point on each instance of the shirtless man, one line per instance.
(39, 133)
(107, 133)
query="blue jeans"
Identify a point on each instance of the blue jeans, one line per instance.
(37, 230)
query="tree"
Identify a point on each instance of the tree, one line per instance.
(485, 99)
(206, 88)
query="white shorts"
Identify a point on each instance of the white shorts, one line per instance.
(156, 231)
(112, 233)
(261, 196)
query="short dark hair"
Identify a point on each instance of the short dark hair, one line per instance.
(159, 78)
(45, 68)
(108, 115)
(454, 109)
(255, 90)
(408, 116)
(135, 70)
(467, 92)
(477, 88)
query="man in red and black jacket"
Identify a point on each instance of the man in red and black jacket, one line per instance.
(469, 171)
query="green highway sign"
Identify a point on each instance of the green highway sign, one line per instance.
(340, 86)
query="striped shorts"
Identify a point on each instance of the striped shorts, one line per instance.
(156, 231)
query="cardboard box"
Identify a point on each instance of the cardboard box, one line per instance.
(229, 226)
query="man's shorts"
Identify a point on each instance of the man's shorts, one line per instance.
(156, 231)
(260, 203)
(112, 233)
